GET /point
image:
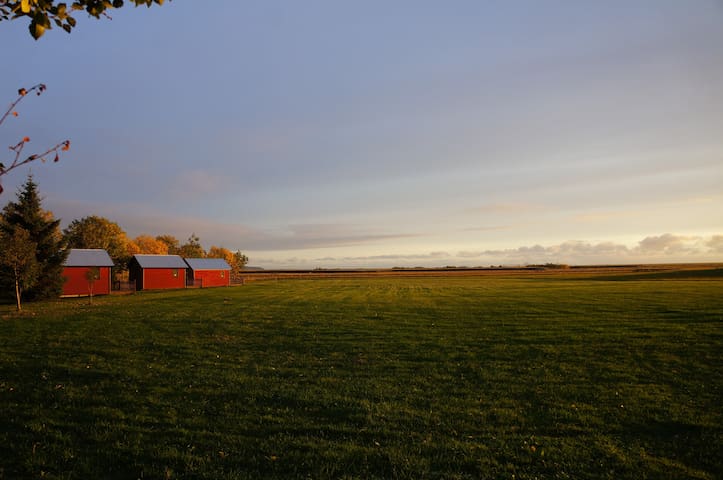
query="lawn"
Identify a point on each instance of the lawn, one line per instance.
(476, 377)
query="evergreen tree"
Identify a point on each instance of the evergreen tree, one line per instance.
(44, 231)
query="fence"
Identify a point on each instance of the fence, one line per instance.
(123, 286)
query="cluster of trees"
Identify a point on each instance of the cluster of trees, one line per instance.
(99, 232)
(34, 248)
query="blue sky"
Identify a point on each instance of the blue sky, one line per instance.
(327, 133)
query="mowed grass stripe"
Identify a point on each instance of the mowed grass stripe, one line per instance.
(369, 378)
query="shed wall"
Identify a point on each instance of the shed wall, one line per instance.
(213, 278)
(161, 278)
(76, 283)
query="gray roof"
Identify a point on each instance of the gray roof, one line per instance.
(160, 261)
(207, 264)
(88, 257)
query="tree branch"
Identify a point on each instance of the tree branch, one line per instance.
(18, 147)
(22, 93)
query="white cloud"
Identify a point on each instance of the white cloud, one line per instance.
(666, 247)
(669, 244)
(715, 244)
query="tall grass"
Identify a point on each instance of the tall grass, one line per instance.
(369, 378)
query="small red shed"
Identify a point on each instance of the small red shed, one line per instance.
(76, 267)
(209, 272)
(153, 272)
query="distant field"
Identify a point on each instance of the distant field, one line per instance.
(572, 375)
(580, 271)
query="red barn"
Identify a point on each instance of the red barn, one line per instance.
(75, 271)
(152, 272)
(211, 272)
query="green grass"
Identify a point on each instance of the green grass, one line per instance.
(479, 377)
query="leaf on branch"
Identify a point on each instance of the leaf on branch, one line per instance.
(36, 30)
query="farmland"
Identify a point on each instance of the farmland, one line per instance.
(572, 375)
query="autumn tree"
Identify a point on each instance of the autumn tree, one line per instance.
(236, 260)
(172, 244)
(192, 248)
(17, 257)
(237, 265)
(99, 232)
(17, 158)
(147, 245)
(44, 13)
(50, 252)
(219, 252)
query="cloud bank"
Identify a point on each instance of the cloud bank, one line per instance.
(665, 248)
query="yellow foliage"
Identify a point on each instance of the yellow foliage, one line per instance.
(145, 244)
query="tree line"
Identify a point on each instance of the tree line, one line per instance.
(34, 248)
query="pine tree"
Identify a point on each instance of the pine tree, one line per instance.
(44, 231)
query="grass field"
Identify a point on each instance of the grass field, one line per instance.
(472, 377)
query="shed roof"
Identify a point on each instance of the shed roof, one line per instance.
(88, 257)
(207, 264)
(160, 261)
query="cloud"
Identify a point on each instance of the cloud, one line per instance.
(661, 248)
(393, 257)
(487, 229)
(715, 244)
(667, 246)
(331, 235)
(596, 217)
(507, 208)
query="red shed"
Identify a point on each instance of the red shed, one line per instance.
(212, 272)
(75, 271)
(152, 272)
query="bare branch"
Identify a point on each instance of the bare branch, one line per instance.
(22, 93)
(18, 161)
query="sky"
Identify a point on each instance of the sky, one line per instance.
(326, 134)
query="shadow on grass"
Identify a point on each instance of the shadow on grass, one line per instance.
(669, 275)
